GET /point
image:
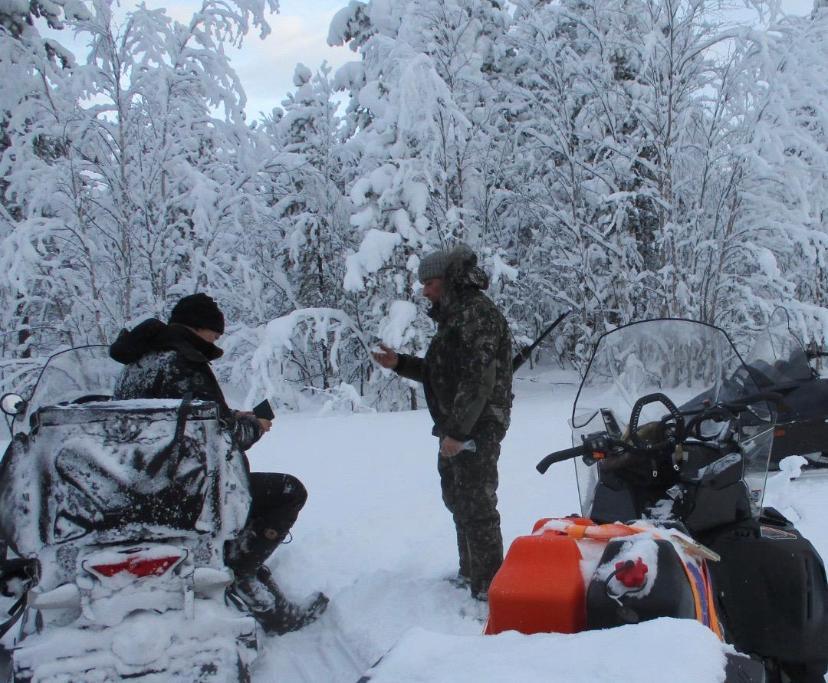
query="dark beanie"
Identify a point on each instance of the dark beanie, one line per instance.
(198, 311)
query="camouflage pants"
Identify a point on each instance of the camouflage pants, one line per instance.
(469, 483)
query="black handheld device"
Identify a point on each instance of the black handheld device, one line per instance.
(264, 411)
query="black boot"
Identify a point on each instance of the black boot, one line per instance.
(250, 550)
(271, 608)
(459, 581)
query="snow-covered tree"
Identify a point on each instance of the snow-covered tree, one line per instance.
(614, 106)
(315, 210)
(622, 158)
(311, 213)
(783, 169)
(422, 110)
(146, 190)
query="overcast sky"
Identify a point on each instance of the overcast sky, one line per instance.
(298, 34)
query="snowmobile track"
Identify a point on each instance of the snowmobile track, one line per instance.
(326, 657)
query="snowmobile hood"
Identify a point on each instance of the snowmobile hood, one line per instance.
(154, 335)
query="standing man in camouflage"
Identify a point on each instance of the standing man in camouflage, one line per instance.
(467, 379)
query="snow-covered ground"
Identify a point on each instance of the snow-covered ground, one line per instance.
(376, 538)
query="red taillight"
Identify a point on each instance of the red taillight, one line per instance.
(138, 566)
(631, 574)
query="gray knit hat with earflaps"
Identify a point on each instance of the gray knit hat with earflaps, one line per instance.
(433, 265)
(436, 263)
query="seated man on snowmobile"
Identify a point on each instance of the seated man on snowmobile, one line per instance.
(170, 360)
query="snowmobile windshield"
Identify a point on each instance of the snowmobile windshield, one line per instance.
(86, 373)
(692, 363)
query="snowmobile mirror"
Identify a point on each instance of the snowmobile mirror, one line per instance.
(12, 404)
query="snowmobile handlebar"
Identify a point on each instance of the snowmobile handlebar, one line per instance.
(594, 447)
(672, 436)
(559, 456)
(600, 445)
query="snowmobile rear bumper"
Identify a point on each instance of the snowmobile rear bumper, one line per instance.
(214, 648)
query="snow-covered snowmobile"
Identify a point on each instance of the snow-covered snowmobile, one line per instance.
(672, 518)
(115, 515)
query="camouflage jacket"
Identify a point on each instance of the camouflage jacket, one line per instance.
(467, 370)
(169, 361)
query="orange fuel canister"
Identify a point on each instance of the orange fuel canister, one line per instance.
(540, 587)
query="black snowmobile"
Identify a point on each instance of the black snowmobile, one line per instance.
(114, 516)
(780, 363)
(672, 504)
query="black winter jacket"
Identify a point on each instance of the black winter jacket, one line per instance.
(169, 361)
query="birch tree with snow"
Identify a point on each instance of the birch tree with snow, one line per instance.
(623, 158)
(618, 109)
(783, 161)
(144, 195)
(421, 107)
